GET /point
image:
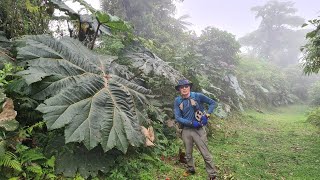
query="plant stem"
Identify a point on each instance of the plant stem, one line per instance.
(95, 35)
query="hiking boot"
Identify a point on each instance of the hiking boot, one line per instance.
(213, 178)
(189, 172)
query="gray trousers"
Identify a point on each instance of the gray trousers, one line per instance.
(199, 137)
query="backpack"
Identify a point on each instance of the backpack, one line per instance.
(194, 103)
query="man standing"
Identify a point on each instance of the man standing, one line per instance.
(188, 110)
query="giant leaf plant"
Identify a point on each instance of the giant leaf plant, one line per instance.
(81, 94)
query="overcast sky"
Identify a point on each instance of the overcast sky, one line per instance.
(233, 16)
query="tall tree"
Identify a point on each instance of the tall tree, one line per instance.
(277, 38)
(215, 65)
(154, 21)
(311, 50)
(219, 46)
(147, 16)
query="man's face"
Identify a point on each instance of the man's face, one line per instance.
(184, 90)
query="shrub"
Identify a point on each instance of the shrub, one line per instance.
(314, 117)
(314, 94)
(263, 83)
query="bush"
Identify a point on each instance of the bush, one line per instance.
(263, 83)
(314, 117)
(314, 94)
(299, 84)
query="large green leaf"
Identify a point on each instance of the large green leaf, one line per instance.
(63, 7)
(147, 62)
(112, 22)
(91, 104)
(4, 42)
(74, 158)
(86, 163)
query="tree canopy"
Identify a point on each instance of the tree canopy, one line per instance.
(311, 50)
(150, 18)
(278, 37)
(219, 46)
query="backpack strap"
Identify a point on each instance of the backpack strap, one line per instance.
(181, 106)
(191, 98)
(180, 103)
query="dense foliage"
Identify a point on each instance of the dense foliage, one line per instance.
(216, 66)
(151, 19)
(311, 50)
(298, 83)
(220, 46)
(15, 17)
(311, 64)
(314, 117)
(314, 94)
(264, 83)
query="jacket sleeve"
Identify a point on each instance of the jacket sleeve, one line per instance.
(178, 114)
(205, 99)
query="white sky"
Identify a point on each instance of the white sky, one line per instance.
(76, 6)
(94, 3)
(235, 16)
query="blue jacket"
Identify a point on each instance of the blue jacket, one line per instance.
(186, 116)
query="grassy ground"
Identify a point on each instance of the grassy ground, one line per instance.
(269, 145)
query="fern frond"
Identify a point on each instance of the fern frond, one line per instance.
(35, 168)
(31, 155)
(20, 149)
(50, 162)
(7, 155)
(40, 125)
(10, 160)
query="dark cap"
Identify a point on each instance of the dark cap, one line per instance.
(183, 82)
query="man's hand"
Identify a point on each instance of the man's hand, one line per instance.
(204, 120)
(196, 124)
(208, 116)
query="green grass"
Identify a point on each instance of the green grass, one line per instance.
(269, 145)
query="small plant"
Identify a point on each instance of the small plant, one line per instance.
(6, 72)
(10, 160)
(27, 163)
(20, 161)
